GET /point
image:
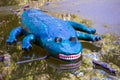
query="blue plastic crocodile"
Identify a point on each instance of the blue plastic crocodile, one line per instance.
(57, 36)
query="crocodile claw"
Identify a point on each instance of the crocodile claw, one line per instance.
(96, 38)
(10, 41)
(27, 47)
(92, 31)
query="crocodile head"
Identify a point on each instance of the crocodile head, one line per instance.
(65, 49)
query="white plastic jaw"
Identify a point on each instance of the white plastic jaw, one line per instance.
(69, 57)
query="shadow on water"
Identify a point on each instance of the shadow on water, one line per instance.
(53, 68)
(50, 69)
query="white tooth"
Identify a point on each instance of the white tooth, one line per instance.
(70, 57)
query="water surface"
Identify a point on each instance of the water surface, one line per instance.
(106, 50)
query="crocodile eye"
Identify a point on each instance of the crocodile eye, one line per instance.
(58, 39)
(73, 39)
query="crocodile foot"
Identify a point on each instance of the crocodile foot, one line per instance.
(91, 31)
(96, 38)
(10, 41)
(27, 47)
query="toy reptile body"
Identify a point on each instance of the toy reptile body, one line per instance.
(60, 38)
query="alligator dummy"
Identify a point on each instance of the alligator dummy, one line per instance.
(60, 38)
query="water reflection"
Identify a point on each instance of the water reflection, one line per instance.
(47, 67)
(64, 66)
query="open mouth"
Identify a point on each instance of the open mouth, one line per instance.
(69, 57)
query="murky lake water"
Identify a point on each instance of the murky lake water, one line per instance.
(107, 50)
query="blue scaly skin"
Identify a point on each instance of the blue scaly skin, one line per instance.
(57, 36)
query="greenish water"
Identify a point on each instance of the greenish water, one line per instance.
(107, 50)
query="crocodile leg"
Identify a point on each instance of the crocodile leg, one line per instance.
(82, 27)
(14, 34)
(87, 37)
(27, 42)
